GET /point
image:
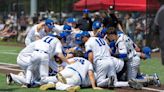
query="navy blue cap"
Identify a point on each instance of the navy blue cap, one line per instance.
(49, 23)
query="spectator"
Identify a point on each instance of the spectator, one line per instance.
(21, 36)
(129, 26)
(85, 22)
(8, 31)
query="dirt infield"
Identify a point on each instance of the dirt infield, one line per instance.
(8, 68)
(127, 89)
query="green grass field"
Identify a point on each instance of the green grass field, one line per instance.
(8, 54)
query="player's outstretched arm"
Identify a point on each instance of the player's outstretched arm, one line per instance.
(92, 80)
(61, 56)
(90, 57)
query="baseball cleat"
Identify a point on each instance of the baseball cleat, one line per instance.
(111, 82)
(156, 80)
(47, 86)
(136, 85)
(73, 89)
(8, 79)
(61, 78)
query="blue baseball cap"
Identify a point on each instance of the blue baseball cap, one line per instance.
(67, 28)
(96, 25)
(49, 23)
(71, 20)
(78, 39)
(86, 11)
(147, 52)
(85, 34)
(102, 33)
(63, 35)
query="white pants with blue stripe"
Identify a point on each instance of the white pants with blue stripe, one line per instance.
(72, 77)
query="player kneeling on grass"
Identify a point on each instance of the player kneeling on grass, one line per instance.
(76, 74)
(125, 49)
(35, 57)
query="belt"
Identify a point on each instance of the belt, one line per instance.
(41, 51)
(77, 72)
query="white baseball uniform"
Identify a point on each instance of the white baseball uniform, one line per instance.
(125, 45)
(32, 33)
(36, 54)
(76, 73)
(102, 61)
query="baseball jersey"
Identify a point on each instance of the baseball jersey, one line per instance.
(58, 29)
(28, 49)
(125, 45)
(81, 65)
(32, 33)
(98, 46)
(49, 44)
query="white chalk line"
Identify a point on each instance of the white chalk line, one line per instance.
(8, 50)
(1, 63)
(9, 53)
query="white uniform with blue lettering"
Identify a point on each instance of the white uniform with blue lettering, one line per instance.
(38, 54)
(32, 33)
(102, 60)
(125, 45)
(77, 72)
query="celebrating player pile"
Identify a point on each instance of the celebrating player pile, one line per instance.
(74, 58)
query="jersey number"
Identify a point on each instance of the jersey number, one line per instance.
(100, 42)
(81, 61)
(48, 40)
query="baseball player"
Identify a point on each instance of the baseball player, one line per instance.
(99, 55)
(38, 31)
(77, 73)
(104, 63)
(125, 50)
(69, 21)
(38, 54)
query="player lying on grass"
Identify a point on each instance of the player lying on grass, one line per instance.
(79, 73)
